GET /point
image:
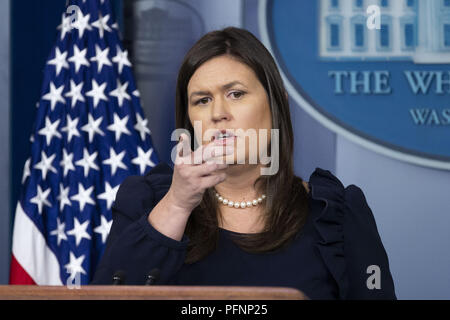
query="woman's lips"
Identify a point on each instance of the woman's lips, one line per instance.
(226, 141)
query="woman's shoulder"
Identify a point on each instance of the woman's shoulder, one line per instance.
(346, 206)
(324, 185)
(137, 193)
(349, 241)
(161, 170)
(158, 176)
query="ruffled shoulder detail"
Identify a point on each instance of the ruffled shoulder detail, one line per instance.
(329, 192)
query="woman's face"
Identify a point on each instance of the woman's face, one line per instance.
(225, 93)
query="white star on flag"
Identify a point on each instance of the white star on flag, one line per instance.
(45, 164)
(92, 127)
(71, 128)
(26, 170)
(54, 95)
(65, 26)
(101, 57)
(109, 195)
(97, 93)
(119, 126)
(102, 25)
(120, 92)
(50, 130)
(75, 265)
(79, 231)
(87, 162)
(143, 159)
(121, 59)
(83, 196)
(82, 23)
(59, 61)
(115, 161)
(59, 231)
(104, 228)
(63, 197)
(79, 58)
(67, 162)
(141, 126)
(41, 198)
(75, 92)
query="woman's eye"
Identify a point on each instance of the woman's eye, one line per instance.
(237, 94)
(202, 101)
(234, 94)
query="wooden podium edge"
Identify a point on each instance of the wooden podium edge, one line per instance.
(90, 292)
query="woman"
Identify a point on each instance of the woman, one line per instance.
(215, 222)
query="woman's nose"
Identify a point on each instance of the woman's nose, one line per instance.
(220, 110)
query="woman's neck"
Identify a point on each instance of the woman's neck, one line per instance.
(239, 184)
(239, 187)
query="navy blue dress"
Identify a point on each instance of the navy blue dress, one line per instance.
(328, 260)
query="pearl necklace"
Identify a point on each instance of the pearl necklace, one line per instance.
(238, 204)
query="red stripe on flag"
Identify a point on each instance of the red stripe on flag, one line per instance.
(17, 274)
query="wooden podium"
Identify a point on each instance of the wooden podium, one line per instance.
(22, 292)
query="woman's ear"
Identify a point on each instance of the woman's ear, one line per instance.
(286, 94)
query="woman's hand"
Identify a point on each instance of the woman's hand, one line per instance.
(190, 180)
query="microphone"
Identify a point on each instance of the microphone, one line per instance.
(118, 277)
(152, 276)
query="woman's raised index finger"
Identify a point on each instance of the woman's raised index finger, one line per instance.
(183, 147)
(207, 152)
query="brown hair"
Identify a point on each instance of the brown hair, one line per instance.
(287, 199)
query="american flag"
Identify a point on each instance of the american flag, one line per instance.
(90, 133)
